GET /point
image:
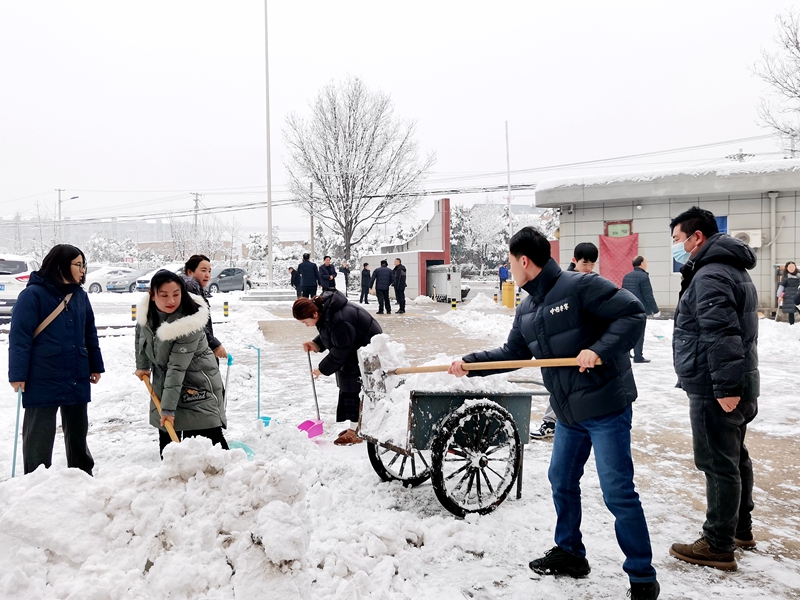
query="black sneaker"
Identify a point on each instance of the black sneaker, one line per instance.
(545, 432)
(644, 591)
(560, 562)
(641, 360)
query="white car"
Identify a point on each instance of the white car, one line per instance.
(143, 283)
(14, 274)
(97, 280)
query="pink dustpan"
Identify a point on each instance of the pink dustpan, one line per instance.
(313, 427)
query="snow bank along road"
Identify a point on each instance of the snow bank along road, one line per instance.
(308, 520)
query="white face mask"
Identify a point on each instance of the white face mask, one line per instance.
(679, 252)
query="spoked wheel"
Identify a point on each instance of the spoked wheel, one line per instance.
(476, 457)
(393, 466)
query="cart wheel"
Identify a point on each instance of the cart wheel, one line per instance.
(393, 466)
(475, 458)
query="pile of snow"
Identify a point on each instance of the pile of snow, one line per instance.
(492, 327)
(385, 415)
(423, 300)
(482, 302)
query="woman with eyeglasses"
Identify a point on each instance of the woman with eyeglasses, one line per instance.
(54, 365)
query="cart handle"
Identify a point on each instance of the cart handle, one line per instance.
(498, 364)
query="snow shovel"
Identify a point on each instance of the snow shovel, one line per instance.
(264, 419)
(16, 433)
(313, 427)
(170, 429)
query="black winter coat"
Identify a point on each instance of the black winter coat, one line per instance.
(714, 343)
(399, 274)
(790, 283)
(346, 272)
(324, 277)
(296, 279)
(309, 274)
(564, 313)
(343, 328)
(365, 277)
(382, 278)
(637, 282)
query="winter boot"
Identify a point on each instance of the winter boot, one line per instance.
(700, 553)
(745, 540)
(644, 591)
(560, 562)
(546, 431)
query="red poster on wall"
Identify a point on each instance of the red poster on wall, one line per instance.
(616, 254)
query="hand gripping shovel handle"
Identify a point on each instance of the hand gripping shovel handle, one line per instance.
(499, 364)
(170, 429)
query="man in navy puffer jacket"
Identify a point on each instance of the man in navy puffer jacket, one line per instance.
(568, 314)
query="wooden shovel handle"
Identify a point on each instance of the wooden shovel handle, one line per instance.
(499, 364)
(170, 429)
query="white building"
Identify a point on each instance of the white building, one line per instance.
(629, 214)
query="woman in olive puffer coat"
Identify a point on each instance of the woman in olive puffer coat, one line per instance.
(171, 342)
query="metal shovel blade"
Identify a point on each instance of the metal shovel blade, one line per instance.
(312, 427)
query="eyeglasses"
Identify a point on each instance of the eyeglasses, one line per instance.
(81, 266)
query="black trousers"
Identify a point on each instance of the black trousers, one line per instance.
(364, 294)
(720, 453)
(39, 435)
(297, 289)
(308, 291)
(214, 434)
(639, 347)
(383, 301)
(401, 299)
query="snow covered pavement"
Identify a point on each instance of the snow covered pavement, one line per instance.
(311, 520)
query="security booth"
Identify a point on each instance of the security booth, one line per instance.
(444, 282)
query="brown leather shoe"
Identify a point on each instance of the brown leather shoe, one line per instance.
(348, 438)
(745, 544)
(700, 553)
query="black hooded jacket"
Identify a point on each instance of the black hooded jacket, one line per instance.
(564, 313)
(714, 343)
(309, 274)
(343, 328)
(399, 275)
(637, 282)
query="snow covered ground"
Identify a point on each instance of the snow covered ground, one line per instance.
(311, 520)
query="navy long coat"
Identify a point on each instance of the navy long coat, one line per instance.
(56, 365)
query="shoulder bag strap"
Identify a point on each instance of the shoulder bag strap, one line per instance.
(51, 317)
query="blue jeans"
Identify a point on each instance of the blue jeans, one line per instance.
(611, 437)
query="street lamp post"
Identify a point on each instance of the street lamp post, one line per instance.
(59, 238)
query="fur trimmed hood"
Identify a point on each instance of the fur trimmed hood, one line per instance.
(171, 330)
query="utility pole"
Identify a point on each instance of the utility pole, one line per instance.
(269, 168)
(312, 220)
(508, 173)
(196, 209)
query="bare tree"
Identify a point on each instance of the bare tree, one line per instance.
(781, 72)
(363, 162)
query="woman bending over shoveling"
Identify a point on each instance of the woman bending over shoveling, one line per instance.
(171, 342)
(343, 328)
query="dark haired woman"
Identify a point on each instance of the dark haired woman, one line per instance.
(787, 290)
(198, 274)
(343, 328)
(171, 342)
(53, 365)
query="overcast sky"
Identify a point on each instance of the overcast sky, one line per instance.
(133, 105)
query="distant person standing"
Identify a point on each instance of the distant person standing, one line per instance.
(637, 282)
(295, 280)
(382, 279)
(309, 277)
(345, 270)
(715, 353)
(503, 273)
(365, 278)
(787, 290)
(327, 275)
(399, 273)
(584, 258)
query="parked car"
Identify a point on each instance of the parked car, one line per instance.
(125, 283)
(143, 282)
(97, 280)
(228, 279)
(14, 274)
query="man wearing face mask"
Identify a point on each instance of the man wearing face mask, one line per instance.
(715, 355)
